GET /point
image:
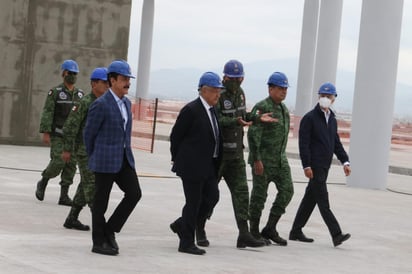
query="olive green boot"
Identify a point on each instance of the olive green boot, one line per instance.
(64, 196)
(41, 188)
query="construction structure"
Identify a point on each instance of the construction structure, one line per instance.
(37, 36)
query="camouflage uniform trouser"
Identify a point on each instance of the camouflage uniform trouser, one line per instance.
(282, 178)
(234, 173)
(57, 165)
(85, 190)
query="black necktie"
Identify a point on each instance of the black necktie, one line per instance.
(215, 130)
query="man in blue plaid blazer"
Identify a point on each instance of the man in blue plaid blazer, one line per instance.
(107, 138)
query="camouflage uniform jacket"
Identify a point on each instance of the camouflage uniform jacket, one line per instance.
(232, 105)
(75, 123)
(267, 141)
(58, 104)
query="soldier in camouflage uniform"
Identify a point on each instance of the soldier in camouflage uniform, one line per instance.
(232, 118)
(59, 102)
(74, 145)
(267, 157)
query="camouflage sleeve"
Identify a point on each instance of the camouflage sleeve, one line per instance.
(257, 111)
(46, 120)
(252, 117)
(72, 126)
(254, 137)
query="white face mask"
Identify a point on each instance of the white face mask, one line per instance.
(325, 102)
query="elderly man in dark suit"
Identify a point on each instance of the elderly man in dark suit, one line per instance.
(196, 145)
(107, 138)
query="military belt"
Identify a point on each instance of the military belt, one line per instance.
(58, 130)
(230, 145)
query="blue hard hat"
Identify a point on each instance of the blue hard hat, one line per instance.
(70, 65)
(234, 69)
(278, 79)
(99, 74)
(327, 88)
(120, 67)
(210, 79)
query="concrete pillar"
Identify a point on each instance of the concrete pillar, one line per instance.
(145, 49)
(375, 84)
(327, 49)
(306, 61)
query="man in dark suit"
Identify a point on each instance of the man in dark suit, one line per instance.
(107, 138)
(196, 145)
(318, 141)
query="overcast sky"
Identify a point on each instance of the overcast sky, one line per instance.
(205, 33)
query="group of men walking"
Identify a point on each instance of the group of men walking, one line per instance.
(93, 131)
(195, 141)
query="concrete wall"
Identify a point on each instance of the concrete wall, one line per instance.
(36, 36)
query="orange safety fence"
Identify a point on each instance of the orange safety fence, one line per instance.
(144, 123)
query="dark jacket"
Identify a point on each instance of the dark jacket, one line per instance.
(104, 136)
(318, 140)
(192, 143)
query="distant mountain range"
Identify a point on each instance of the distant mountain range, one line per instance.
(181, 84)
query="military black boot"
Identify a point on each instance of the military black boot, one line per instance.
(254, 230)
(72, 221)
(201, 238)
(41, 188)
(269, 231)
(64, 196)
(245, 238)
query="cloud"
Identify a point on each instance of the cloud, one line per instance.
(204, 34)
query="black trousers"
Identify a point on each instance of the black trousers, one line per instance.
(316, 194)
(201, 197)
(126, 179)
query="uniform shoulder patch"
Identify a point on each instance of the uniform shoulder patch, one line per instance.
(50, 92)
(75, 108)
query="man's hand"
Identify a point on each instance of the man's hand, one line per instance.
(347, 170)
(66, 156)
(242, 122)
(308, 172)
(258, 167)
(46, 138)
(267, 118)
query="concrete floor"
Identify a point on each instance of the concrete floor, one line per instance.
(33, 239)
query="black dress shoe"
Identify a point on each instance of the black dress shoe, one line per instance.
(246, 239)
(192, 250)
(111, 240)
(201, 238)
(299, 237)
(104, 249)
(203, 242)
(176, 229)
(339, 239)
